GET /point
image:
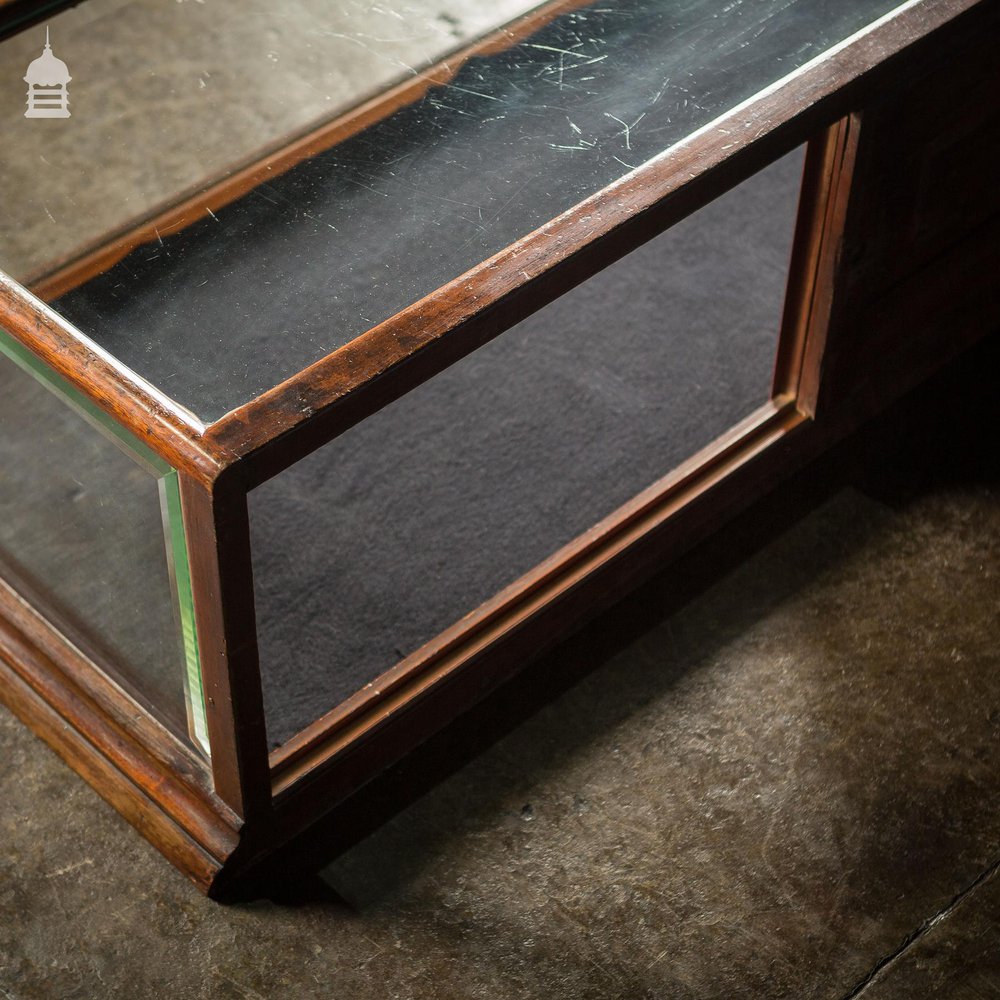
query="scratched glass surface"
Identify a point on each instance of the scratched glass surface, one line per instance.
(233, 301)
(167, 97)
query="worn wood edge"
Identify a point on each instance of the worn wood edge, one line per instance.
(217, 527)
(177, 435)
(159, 423)
(351, 762)
(273, 160)
(815, 250)
(157, 784)
(921, 300)
(457, 646)
(611, 223)
(818, 235)
(816, 313)
(345, 762)
(394, 358)
(141, 812)
(76, 635)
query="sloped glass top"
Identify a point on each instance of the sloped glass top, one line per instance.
(467, 139)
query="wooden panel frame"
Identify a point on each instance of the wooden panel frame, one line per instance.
(215, 830)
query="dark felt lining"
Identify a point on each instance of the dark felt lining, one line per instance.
(372, 545)
(232, 304)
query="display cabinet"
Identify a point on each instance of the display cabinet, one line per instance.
(349, 359)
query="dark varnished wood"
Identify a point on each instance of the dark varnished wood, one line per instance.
(819, 234)
(818, 271)
(915, 278)
(359, 232)
(551, 582)
(221, 573)
(156, 782)
(294, 418)
(168, 430)
(818, 266)
(866, 319)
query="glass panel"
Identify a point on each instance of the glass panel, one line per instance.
(223, 299)
(91, 535)
(375, 543)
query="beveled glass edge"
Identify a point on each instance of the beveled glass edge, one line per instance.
(170, 506)
(139, 387)
(180, 573)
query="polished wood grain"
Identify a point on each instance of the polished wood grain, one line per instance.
(826, 186)
(332, 744)
(544, 587)
(818, 244)
(294, 418)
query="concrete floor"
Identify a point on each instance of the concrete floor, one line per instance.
(778, 776)
(167, 97)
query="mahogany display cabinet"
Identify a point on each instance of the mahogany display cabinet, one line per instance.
(345, 369)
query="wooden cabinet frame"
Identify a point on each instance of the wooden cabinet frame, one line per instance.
(849, 344)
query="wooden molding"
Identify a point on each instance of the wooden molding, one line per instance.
(158, 784)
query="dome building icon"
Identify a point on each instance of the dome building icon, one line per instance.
(48, 82)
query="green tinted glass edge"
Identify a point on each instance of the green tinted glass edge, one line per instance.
(94, 415)
(185, 607)
(173, 520)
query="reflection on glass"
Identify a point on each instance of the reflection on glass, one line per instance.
(238, 288)
(169, 97)
(91, 536)
(374, 544)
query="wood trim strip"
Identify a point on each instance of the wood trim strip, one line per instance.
(458, 646)
(810, 315)
(803, 102)
(285, 425)
(160, 424)
(85, 639)
(135, 764)
(143, 813)
(817, 181)
(218, 532)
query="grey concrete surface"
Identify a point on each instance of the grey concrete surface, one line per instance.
(787, 787)
(167, 95)
(957, 955)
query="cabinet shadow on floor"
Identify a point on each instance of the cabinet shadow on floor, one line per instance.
(572, 700)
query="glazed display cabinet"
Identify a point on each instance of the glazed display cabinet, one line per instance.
(349, 359)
